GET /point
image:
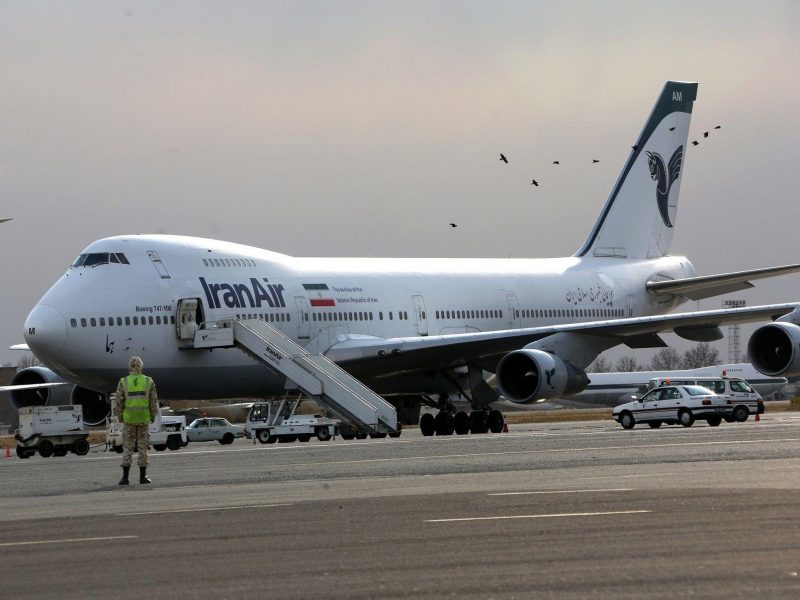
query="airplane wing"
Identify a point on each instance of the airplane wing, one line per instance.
(377, 357)
(4, 220)
(697, 288)
(31, 386)
(20, 347)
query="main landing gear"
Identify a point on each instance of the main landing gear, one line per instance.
(461, 423)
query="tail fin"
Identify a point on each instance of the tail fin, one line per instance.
(638, 218)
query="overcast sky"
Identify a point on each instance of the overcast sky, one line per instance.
(364, 128)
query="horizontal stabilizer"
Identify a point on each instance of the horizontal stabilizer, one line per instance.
(708, 286)
(4, 220)
(23, 347)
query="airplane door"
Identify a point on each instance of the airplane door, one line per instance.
(156, 259)
(303, 325)
(420, 315)
(189, 317)
(514, 319)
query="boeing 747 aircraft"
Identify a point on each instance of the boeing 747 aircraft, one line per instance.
(416, 331)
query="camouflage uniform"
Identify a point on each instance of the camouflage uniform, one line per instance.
(134, 436)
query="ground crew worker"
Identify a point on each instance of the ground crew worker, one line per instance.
(136, 404)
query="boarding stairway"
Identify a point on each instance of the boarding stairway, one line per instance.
(313, 374)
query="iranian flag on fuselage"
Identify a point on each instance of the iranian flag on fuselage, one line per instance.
(322, 292)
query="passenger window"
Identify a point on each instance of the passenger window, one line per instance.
(390, 315)
(119, 321)
(150, 319)
(127, 320)
(158, 320)
(103, 321)
(83, 322)
(135, 320)
(380, 315)
(93, 321)
(73, 322)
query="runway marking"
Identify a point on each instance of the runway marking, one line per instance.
(547, 516)
(559, 492)
(188, 510)
(68, 541)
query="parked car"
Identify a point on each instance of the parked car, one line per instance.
(674, 404)
(745, 400)
(216, 429)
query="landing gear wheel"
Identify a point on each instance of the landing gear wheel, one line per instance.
(626, 420)
(496, 421)
(654, 424)
(740, 413)
(323, 434)
(478, 422)
(174, 442)
(80, 447)
(461, 423)
(263, 436)
(686, 418)
(396, 434)
(46, 448)
(427, 425)
(714, 421)
(444, 423)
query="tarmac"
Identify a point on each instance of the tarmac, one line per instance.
(552, 510)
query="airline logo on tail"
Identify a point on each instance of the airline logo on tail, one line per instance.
(664, 176)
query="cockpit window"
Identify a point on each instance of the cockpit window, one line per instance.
(100, 258)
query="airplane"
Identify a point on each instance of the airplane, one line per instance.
(5, 220)
(416, 331)
(610, 389)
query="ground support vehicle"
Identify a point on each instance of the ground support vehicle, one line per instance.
(214, 429)
(51, 431)
(276, 421)
(682, 404)
(744, 399)
(165, 432)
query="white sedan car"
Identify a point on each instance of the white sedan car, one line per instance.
(214, 429)
(674, 404)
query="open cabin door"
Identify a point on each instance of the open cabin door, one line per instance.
(514, 319)
(189, 317)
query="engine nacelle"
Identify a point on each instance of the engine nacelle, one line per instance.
(46, 396)
(774, 349)
(528, 375)
(95, 406)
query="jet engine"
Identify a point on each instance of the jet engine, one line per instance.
(95, 406)
(43, 396)
(774, 349)
(528, 375)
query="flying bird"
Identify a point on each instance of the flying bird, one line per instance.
(672, 129)
(503, 158)
(695, 143)
(594, 160)
(718, 127)
(534, 182)
(705, 134)
(555, 162)
(453, 225)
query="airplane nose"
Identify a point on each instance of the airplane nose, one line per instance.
(45, 331)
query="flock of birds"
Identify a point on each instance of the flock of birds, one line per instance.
(535, 183)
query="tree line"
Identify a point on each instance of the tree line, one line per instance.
(666, 359)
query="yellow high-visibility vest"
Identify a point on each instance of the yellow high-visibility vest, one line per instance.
(137, 399)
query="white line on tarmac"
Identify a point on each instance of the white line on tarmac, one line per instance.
(559, 492)
(588, 514)
(91, 539)
(188, 510)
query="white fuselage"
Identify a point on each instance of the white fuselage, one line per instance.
(317, 301)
